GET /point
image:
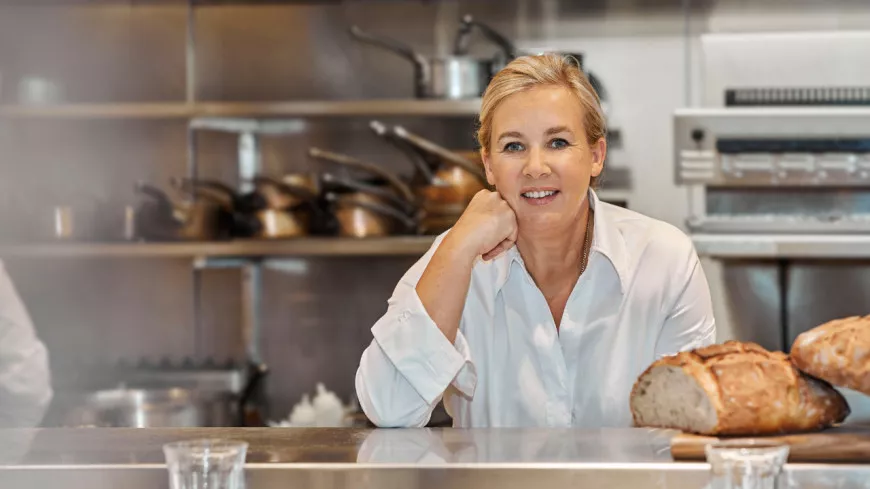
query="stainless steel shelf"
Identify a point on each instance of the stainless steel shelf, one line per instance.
(811, 246)
(391, 246)
(245, 110)
(100, 111)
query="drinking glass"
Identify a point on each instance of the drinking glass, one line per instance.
(741, 464)
(206, 464)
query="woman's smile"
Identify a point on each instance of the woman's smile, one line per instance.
(539, 195)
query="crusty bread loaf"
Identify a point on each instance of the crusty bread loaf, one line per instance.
(733, 389)
(837, 351)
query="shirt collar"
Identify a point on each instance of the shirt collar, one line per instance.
(606, 240)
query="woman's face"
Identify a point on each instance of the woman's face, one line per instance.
(538, 158)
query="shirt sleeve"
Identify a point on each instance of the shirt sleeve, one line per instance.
(410, 363)
(25, 385)
(689, 322)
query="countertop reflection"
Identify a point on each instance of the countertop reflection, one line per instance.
(95, 446)
(515, 446)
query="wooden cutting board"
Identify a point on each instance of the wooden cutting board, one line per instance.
(843, 444)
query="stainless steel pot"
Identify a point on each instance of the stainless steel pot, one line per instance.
(164, 407)
(444, 77)
(508, 52)
(507, 49)
(152, 408)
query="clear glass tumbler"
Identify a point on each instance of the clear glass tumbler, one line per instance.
(206, 464)
(741, 464)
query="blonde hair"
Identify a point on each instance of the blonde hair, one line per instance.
(527, 72)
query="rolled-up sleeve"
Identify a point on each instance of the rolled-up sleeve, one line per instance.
(410, 363)
(25, 384)
(689, 321)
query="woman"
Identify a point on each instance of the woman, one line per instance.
(542, 305)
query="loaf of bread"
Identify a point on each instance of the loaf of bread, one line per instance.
(733, 389)
(837, 351)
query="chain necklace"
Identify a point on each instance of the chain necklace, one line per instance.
(587, 241)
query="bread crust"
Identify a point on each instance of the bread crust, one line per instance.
(755, 391)
(837, 351)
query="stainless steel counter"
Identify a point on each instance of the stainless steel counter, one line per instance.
(775, 246)
(333, 458)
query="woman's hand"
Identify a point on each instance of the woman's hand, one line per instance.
(488, 226)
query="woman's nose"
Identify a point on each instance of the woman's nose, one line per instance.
(536, 166)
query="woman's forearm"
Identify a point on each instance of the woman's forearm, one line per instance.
(444, 284)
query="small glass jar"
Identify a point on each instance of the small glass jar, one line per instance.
(746, 464)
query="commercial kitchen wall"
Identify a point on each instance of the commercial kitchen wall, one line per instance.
(317, 312)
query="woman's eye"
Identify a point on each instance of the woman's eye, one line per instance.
(559, 143)
(513, 147)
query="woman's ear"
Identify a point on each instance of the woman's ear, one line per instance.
(599, 154)
(487, 166)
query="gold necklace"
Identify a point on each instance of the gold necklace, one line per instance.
(587, 241)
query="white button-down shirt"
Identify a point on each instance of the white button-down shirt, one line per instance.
(643, 295)
(25, 383)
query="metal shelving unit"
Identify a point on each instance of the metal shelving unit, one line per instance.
(248, 121)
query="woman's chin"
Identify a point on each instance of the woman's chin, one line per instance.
(531, 221)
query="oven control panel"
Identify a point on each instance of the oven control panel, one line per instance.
(773, 147)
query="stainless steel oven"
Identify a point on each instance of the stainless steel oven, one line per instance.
(777, 163)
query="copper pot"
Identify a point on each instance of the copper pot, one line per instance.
(456, 178)
(274, 210)
(289, 210)
(281, 224)
(445, 181)
(309, 182)
(362, 215)
(366, 210)
(206, 216)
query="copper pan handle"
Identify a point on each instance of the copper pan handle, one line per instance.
(445, 154)
(400, 186)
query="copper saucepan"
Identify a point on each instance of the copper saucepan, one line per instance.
(290, 212)
(274, 210)
(445, 181)
(363, 210)
(443, 177)
(362, 215)
(208, 216)
(447, 157)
